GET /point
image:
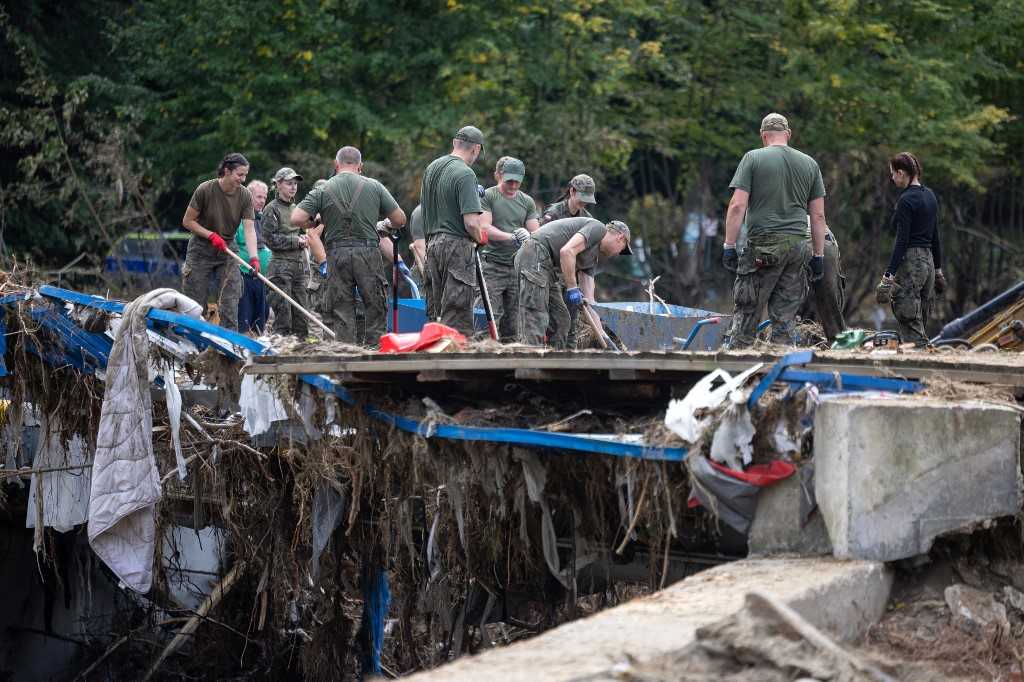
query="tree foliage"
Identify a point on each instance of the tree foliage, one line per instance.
(657, 99)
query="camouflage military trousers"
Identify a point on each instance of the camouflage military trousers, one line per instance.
(540, 299)
(502, 290)
(781, 286)
(203, 264)
(290, 276)
(349, 267)
(912, 296)
(828, 293)
(451, 277)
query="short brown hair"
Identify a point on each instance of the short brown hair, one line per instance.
(908, 163)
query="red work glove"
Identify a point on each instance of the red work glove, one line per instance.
(218, 242)
(483, 238)
(254, 263)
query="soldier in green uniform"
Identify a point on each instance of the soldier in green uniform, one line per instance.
(213, 214)
(775, 188)
(914, 274)
(514, 213)
(453, 225)
(350, 205)
(550, 262)
(572, 203)
(289, 264)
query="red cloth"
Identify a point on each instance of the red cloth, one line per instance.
(431, 333)
(759, 475)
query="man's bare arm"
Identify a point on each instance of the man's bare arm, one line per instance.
(567, 259)
(734, 216)
(816, 209)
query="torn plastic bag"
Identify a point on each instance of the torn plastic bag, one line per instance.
(431, 333)
(328, 508)
(732, 443)
(260, 405)
(682, 417)
(65, 494)
(732, 495)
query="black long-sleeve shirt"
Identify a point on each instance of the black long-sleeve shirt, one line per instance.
(917, 225)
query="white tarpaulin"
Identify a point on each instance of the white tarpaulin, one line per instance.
(125, 479)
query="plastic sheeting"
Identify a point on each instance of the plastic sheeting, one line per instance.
(260, 405)
(65, 494)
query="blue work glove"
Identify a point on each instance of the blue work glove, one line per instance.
(730, 259)
(574, 297)
(480, 191)
(323, 269)
(817, 268)
(404, 269)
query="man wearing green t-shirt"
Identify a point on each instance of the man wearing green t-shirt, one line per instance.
(453, 225)
(775, 188)
(550, 263)
(350, 205)
(514, 215)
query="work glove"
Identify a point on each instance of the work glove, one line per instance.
(940, 282)
(484, 238)
(817, 268)
(480, 191)
(521, 234)
(384, 227)
(218, 242)
(322, 268)
(404, 269)
(254, 263)
(574, 297)
(730, 259)
(883, 292)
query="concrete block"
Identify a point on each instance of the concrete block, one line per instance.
(842, 597)
(777, 528)
(894, 474)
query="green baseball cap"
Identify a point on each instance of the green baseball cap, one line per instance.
(472, 135)
(623, 228)
(585, 188)
(513, 169)
(774, 123)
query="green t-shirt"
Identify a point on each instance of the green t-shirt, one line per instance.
(220, 212)
(347, 222)
(560, 210)
(447, 193)
(416, 223)
(781, 182)
(557, 234)
(507, 215)
(243, 252)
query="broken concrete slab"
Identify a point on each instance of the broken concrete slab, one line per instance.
(842, 597)
(780, 526)
(894, 474)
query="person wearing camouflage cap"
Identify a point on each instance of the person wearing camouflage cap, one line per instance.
(453, 226)
(289, 262)
(775, 188)
(514, 215)
(555, 270)
(573, 202)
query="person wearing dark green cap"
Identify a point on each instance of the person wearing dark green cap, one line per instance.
(513, 216)
(573, 202)
(453, 225)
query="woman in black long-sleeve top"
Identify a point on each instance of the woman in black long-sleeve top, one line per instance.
(914, 274)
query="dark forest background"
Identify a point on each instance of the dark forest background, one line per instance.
(112, 111)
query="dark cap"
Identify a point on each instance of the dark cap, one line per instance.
(623, 228)
(471, 134)
(286, 173)
(585, 188)
(513, 169)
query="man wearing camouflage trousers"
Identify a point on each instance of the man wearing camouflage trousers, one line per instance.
(350, 206)
(775, 188)
(290, 262)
